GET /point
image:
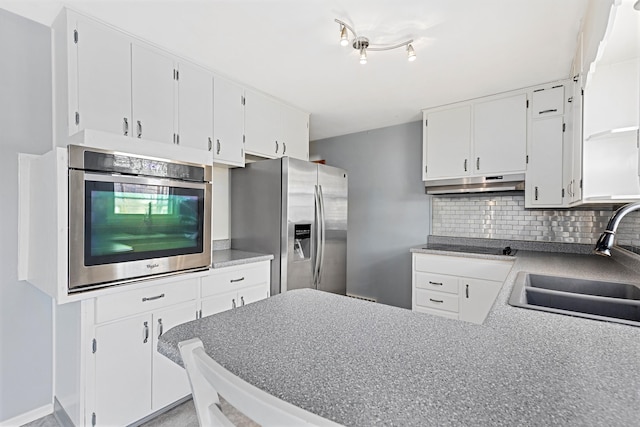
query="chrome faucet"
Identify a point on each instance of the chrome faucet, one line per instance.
(604, 243)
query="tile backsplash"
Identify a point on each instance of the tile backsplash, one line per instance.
(504, 217)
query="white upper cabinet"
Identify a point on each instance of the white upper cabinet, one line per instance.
(195, 106)
(228, 122)
(487, 136)
(544, 176)
(153, 94)
(273, 129)
(500, 135)
(115, 91)
(102, 98)
(448, 138)
(261, 125)
(295, 133)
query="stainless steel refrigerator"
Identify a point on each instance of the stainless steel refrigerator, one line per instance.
(297, 211)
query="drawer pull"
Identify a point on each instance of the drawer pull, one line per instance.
(548, 111)
(237, 280)
(439, 301)
(435, 283)
(144, 299)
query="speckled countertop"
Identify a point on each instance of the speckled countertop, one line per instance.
(229, 257)
(361, 363)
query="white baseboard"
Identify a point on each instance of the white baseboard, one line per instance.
(27, 417)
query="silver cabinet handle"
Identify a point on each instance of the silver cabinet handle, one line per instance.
(242, 300)
(548, 111)
(160, 328)
(125, 126)
(276, 146)
(236, 280)
(284, 148)
(139, 129)
(439, 301)
(144, 299)
(217, 146)
(467, 291)
(233, 303)
(478, 163)
(145, 331)
(536, 193)
(210, 144)
(465, 165)
(435, 283)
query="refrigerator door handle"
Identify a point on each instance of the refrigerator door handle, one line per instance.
(322, 233)
(316, 254)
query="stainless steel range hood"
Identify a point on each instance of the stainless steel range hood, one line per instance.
(478, 184)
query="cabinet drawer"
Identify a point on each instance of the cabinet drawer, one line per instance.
(447, 314)
(110, 307)
(437, 282)
(488, 269)
(547, 102)
(437, 300)
(233, 278)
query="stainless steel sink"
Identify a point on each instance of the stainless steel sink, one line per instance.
(593, 299)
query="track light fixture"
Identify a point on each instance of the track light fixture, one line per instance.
(363, 45)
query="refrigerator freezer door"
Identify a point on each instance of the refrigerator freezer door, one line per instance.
(332, 183)
(298, 244)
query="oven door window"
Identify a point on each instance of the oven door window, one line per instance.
(130, 222)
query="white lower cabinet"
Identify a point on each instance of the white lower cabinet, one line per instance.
(170, 382)
(132, 380)
(232, 287)
(107, 367)
(123, 371)
(457, 287)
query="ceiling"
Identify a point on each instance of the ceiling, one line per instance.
(290, 48)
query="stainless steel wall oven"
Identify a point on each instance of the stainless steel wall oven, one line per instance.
(132, 217)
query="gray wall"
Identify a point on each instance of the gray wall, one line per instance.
(25, 127)
(388, 209)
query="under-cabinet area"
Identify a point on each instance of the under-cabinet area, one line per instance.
(107, 366)
(457, 287)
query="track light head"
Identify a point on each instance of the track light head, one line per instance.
(344, 36)
(411, 54)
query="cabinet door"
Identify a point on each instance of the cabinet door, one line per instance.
(476, 299)
(103, 79)
(170, 382)
(195, 106)
(261, 125)
(500, 135)
(252, 294)
(153, 87)
(219, 303)
(544, 174)
(448, 142)
(123, 371)
(575, 187)
(228, 123)
(295, 133)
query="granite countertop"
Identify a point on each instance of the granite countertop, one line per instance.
(361, 363)
(229, 257)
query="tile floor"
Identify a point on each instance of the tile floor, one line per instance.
(183, 415)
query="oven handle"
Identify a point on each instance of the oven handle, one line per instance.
(144, 180)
